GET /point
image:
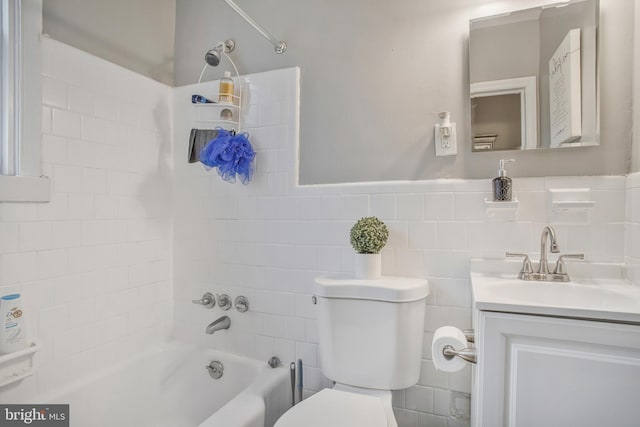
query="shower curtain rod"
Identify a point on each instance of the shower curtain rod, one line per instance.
(280, 45)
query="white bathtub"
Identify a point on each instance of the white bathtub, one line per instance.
(171, 387)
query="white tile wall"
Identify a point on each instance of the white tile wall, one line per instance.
(93, 265)
(268, 241)
(632, 231)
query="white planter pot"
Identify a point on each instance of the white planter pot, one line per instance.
(368, 266)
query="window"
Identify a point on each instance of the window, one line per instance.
(20, 102)
(10, 88)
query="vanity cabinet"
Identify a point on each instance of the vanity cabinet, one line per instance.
(539, 371)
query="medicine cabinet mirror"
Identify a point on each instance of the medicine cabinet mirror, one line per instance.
(534, 79)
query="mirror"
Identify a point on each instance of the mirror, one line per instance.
(533, 78)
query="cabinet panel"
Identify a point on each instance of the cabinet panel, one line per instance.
(537, 371)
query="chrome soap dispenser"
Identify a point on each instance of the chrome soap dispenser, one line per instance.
(502, 185)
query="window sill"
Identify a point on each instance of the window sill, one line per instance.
(25, 189)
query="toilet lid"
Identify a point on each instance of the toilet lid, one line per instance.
(335, 408)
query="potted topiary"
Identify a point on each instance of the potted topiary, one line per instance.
(368, 237)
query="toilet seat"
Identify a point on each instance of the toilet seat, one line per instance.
(335, 408)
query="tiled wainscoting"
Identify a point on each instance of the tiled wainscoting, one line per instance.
(633, 228)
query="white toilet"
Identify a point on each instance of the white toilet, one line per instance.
(370, 335)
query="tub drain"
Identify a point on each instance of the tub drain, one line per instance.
(215, 369)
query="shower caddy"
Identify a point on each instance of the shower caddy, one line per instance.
(219, 114)
(18, 365)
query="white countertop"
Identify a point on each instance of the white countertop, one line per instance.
(608, 296)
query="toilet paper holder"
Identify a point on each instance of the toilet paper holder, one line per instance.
(468, 354)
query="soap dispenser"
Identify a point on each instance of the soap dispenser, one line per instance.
(502, 184)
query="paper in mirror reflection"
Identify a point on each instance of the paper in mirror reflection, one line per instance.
(533, 76)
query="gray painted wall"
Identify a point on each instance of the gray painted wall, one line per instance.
(136, 34)
(375, 73)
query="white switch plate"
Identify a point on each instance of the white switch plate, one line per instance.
(446, 146)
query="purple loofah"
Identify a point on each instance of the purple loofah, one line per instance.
(232, 154)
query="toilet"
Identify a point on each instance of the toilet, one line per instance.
(370, 334)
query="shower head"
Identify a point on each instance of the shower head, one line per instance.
(212, 57)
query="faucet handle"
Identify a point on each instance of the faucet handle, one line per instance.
(207, 301)
(526, 263)
(224, 302)
(241, 303)
(560, 266)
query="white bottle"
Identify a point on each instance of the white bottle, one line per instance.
(12, 332)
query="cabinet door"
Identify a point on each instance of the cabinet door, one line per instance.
(545, 372)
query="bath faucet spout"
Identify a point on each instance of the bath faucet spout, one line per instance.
(222, 323)
(547, 232)
(543, 274)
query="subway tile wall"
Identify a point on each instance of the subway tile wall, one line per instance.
(268, 241)
(633, 228)
(94, 264)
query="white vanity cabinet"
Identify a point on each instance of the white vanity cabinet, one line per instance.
(544, 371)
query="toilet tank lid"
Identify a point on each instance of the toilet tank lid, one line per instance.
(387, 288)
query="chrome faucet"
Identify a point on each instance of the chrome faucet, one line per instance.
(222, 323)
(548, 231)
(559, 273)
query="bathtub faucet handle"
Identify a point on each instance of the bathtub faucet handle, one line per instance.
(224, 302)
(241, 303)
(207, 301)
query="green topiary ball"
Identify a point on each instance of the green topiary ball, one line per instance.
(369, 235)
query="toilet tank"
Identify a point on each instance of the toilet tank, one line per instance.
(371, 331)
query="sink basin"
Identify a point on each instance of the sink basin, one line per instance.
(566, 295)
(603, 298)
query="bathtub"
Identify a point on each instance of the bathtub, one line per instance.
(170, 387)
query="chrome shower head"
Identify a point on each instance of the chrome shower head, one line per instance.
(212, 57)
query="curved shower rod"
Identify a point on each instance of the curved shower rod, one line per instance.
(280, 45)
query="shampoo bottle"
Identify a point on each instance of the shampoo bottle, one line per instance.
(502, 185)
(225, 94)
(12, 334)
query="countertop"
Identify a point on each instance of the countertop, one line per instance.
(597, 292)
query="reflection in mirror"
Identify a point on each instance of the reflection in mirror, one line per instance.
(497, 115)
(533, 77)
